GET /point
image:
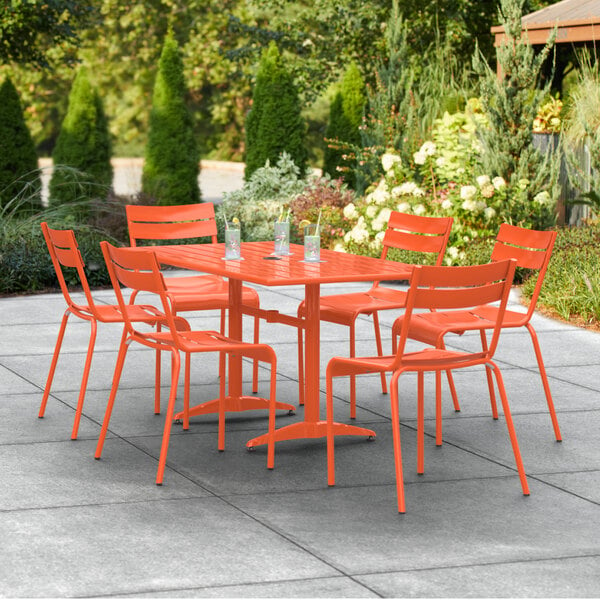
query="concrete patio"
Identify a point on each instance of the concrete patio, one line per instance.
(224, 526)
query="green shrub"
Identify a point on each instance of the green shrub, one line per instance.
(274, 124)
(83, 146)
(19, 175)
(172, 162)
(572, 284)
(259, 203)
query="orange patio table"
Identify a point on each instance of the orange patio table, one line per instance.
(260, 267)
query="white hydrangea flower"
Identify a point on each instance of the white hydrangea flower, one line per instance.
(480, 206)
(483, 180)
(339, 247)
(377, 224)
(419, 209)
(428, 148)
(388, 161)
(489, 213)
(380, 195)
(440, 161)
(419, 158)
(469, 205)
(371, 211)
(487, 190)
(542, 198)
(447, 204)
(498, 182)
(385, 214)
(418, 192)
(408, 188)
(380, 236)
(452, 252)
(403, 207)
(468, 192)
(350, 211)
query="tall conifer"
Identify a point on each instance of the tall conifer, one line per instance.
(83, 146)
(343, 130)
(172, 162)
(19, 175)
(274, 124)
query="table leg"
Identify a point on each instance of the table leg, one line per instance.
(235, 401)
(312, 426)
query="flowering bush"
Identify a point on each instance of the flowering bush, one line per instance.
(445, 179)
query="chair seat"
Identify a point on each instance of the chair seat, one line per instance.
(511, 318)
(427, 359)
(344, 308)
(205, 292)
(111, 313)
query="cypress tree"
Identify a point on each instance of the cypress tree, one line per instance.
(343, 130)
(83, 147)
(510, 103)
(19, 175)
(274, 124)
(172, 162)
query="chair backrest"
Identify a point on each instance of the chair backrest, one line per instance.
(417, 233)
(171, 222)
(531, 248)
(459, 289)
(64, 252)
(139, 271)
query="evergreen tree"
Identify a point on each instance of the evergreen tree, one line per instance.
(510, 102)
(172, 162)
(82, 168)
(274, 124)
(343, 130)
(19, 175)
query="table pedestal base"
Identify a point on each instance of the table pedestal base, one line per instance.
(235, 404)
(310, 430)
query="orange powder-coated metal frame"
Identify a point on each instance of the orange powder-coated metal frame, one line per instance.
(65, 253)
(426, 235)
(532, 249)
(433, 288)
(140, 271)
(335, 267)
(200, 292)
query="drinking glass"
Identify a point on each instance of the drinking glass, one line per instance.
(232, 241)
(282, 238)
(312, 243)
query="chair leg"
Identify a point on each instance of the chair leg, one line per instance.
(162, 461)
(255, 363)
(394, 401)
(84, 379)
(511, 429)
(57, 346)
(300, 366)
(420, 425)
(330, 436)
(488, 374)
(186, 392)
(540, 361)
(453, 390)
(352, 377)
(272, 401)
(157, 369)
(222, 378)
(438, 408)
(379, 349)
(111, 399)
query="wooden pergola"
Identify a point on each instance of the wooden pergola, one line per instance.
(577, 22)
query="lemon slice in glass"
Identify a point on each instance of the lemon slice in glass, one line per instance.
(304, 223)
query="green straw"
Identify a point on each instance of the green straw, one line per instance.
(318, 222)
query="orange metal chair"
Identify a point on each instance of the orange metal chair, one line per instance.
(199, 292)
(531, 249)
(65, 253)
(140, 271)
(433, 288)
(404, 232)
